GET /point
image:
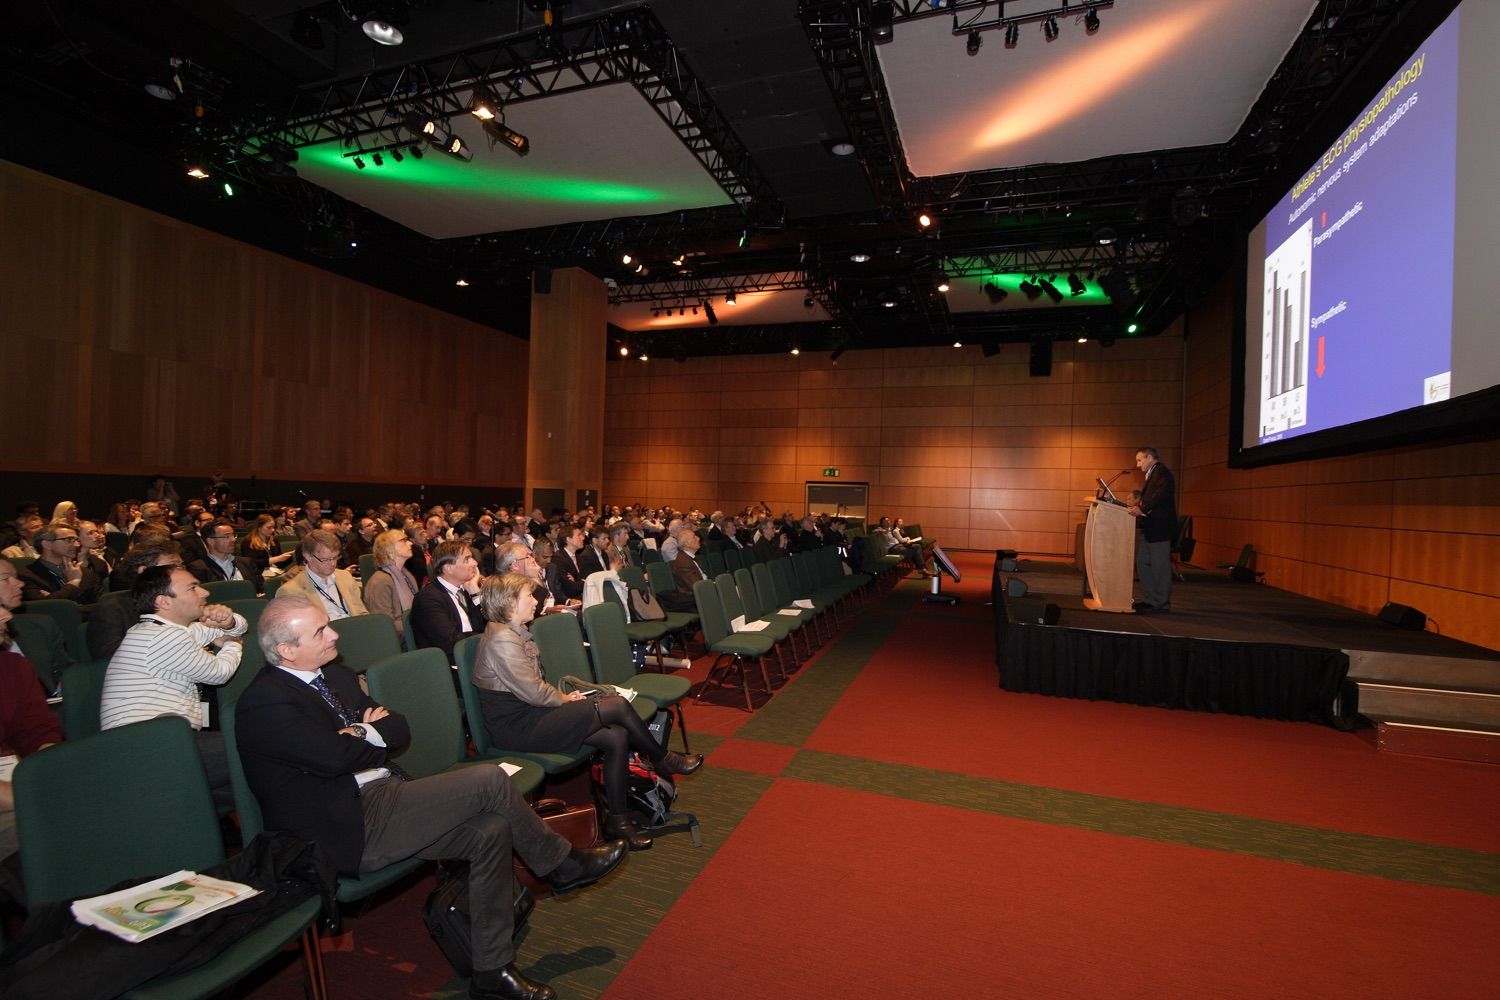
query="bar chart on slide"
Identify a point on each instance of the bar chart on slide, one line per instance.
(1284, 334)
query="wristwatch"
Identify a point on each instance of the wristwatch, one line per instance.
(359, 730)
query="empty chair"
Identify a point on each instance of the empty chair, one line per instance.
(224, 591)
(365, 640)
(729, 648)
(713, 563)
(82, 689)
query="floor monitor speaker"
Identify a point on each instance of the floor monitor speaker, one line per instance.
(1402, 616)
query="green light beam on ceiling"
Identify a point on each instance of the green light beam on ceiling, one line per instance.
(492, 181)
(1011, 282)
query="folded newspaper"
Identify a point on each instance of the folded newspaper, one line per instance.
(150, 908)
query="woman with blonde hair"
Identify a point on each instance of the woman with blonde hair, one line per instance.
(67, 512)
(522, 711)
(391, 587)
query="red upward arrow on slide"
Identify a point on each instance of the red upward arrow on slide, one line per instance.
(1321, 366)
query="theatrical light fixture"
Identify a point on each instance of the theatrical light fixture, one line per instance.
(1049, 29)
(483, 104)
(974, 42)
(1075, 285)
(889, 301)
(841, 147)
(882, 20)
(228, 190)
(625, 257)
(708, 310)
(995, 293)
(678, 260)
(1030, 289)
(415, 150)
(796, 350)
(808, 303)
(859, 258)
(924, 220)
(1105, 236)
(643, 357)
(381, 31)
(359, 162)
(958, 343)
(379, 160)
(942, 283)
(166, 86)
(729, 299)
(197, 170)
(1083, 340)
(508, 137)
(455, 148)
(1012, 35)
(625, 351)
(1091, 20)
(462, 283)
(1047, 286)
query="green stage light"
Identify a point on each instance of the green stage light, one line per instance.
(1132, 328)
(1010, 283)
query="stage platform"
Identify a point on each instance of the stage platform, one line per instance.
(1241, 648)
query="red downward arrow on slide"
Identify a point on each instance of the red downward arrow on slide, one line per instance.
(1321, 366)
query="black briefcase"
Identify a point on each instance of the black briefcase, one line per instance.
(446, 914)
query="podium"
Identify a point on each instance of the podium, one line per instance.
(1109, 554)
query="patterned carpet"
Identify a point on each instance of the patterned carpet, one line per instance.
(890, 823)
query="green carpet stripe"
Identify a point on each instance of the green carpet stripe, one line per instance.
(1358, 854)
(615, 918)
(790, 717)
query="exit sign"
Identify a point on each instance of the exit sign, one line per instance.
(830, 473)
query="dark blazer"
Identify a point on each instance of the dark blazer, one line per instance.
(569, 576)
(43, 644)
(768, 549)
(192, 545)
(301, 768)
(720, 539)
(687, 571)
(435, 621)
(206, 570)
(590, 563)
(354, 547)
(110, 619)
(1159, 505)
(38, 582)
(417, 564)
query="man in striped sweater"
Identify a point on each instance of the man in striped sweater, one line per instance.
(180, 642)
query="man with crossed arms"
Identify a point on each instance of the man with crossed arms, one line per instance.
(314, 748)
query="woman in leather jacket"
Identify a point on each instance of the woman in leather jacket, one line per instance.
(522, 711)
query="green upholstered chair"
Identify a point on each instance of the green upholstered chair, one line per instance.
(714, 564)
(614, 663)
(564, 654)
(273, 584)
(248, 608)
(366, 571)
(734, 607)
(82, 689)
(642, 578)
(67, 616)
(364, 640)
(160, 819)
(464, 653)
(730, 649)
(224, 591)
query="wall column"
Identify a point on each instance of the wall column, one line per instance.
(565, 391)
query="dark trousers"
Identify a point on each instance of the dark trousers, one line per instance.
(215, 765)
(476, 814)
(1153, 564)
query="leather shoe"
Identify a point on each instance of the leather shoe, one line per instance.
(586, 865)
(676, 763)
(618, 825)
(507, 984)
(1139, 606)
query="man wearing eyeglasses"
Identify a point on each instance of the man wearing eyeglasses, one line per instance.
(219, 561)
(320, 580)
(58, 574)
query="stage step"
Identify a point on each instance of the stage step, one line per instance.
(1425, 738)
(1455, 673)
(1443, 705)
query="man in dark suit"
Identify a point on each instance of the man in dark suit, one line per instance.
(219, 561)
(420, 559)
(314, 748)
(686, 571)
(599, 555)
(722, 535)
(58, 574)
(569, 573)
(446, 609)
(537, 526)
(1157, 510)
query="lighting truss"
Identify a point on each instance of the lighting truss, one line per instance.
(620, 47)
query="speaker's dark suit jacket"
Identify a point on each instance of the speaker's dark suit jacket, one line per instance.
(299, 766)
(206, 570)
(435, 621)
(1159, 505)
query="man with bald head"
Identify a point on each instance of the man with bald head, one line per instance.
(316, 750)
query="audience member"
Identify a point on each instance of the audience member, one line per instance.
(314, 747)
(599, 555)
(194, 519)
(27, 725)
(27, 526)
(444, 611)
(523, 712)
(769, 543)
(568, 573)
(261, 546)
(359, 542)
(670, 543)
(35, 637)
(421, 556)
(67, 512)
(112, 617)
(161, 492)
(152, 516)
(320, 580)
(391, 588)
(219, 561)
(58, 573)
(312, 517)
(94, 552)
(162, 660)
(686, 571)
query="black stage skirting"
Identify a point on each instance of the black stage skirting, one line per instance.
(1124, 658)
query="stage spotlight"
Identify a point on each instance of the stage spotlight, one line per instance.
(228, 190)
(1076, 287)
(678, 260)
(1132, 328)
(1091, 20)
(841, 147)
(483, 104)
(462, 282)
(643, 357)
(382, 32)
(859, 258)
(882, 20)
(640, 268)
(456, 148)
(1031, 290)
(796, 351)
(197, 169)
(996, 294)
(924, 220)
(708, 310)
(808, 302)
(942, 284)
(1047, 286)
(730, 299)
(166, 85)
(625, 257)
(1105, 235)
(397, 155)
(958, 343)
(378, 160)
(415, 150)
(624, 350)
(1083, 340)
(507, 136)
(359, 162)
(307, 30)
(1049, 29)
(1012, 35)
(974, 42)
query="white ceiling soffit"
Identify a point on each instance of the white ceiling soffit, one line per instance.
(1158, 74)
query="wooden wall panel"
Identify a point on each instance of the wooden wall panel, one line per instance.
(1417, 525)
(181, 351)
(974, 449)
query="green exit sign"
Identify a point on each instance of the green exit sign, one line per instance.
(830, 473)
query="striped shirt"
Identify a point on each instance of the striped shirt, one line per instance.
(158, 667)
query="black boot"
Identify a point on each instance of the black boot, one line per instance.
(676, 763)
(618, 826)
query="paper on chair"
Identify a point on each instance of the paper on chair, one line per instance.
(803, 604)
(510, 769)
(790, 612)
(752, 627)
(737, 623)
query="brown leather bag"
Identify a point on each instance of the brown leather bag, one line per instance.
(578, 825)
